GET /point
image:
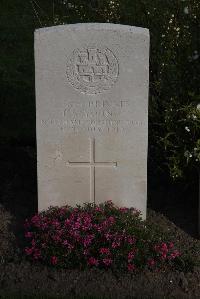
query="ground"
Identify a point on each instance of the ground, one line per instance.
(17, 275)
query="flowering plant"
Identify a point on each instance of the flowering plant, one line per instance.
(182, 144)
(103, 236)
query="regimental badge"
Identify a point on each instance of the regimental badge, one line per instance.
(92, 70)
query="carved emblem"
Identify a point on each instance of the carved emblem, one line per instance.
(92, 70)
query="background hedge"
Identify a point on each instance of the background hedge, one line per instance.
(174, 121)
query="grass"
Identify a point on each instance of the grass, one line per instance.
(67, 297)
(18, 296)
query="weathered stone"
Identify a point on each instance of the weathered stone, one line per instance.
(92, 114)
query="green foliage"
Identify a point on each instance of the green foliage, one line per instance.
(182, 143)
(17, 104)
(174, 68)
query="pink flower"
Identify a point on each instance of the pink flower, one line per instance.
(163, 256)
(97, 227)
(69, 246)
(88, 239)
(123, 209)
(75, 234)
(104, 225)
(36, 220)
(60, 232)
(131, 255)
(93, 262)
(174, 254)
(164, 247)
(131, 267)
(115, 244)
(87, 220)
(33, 243)
(151, 262)
(28, 235)
(65, 242)
(87, 223)
(55, 223)
(54, 260)
(67, 222)
(108, 236)
(107, 261)
(111, 219)
(77, 225)
(37, 254)
(28, 250)
(85, 251)
(131, 240)
(104, 250)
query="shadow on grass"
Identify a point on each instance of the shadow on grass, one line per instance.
(177, 201)
(18, 186)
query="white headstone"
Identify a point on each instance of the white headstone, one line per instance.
(92, 114)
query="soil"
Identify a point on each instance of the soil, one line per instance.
(18, 201)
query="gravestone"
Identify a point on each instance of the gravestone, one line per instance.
(92, 114)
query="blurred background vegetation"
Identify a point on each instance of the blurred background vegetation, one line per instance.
(174, 120)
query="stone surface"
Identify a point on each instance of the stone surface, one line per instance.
(92, 114)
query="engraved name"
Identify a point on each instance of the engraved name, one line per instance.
(94, 116)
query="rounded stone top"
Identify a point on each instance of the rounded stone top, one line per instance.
(93, 26)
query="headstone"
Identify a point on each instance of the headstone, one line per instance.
(92, 114)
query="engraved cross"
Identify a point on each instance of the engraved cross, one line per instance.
(92, 164)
